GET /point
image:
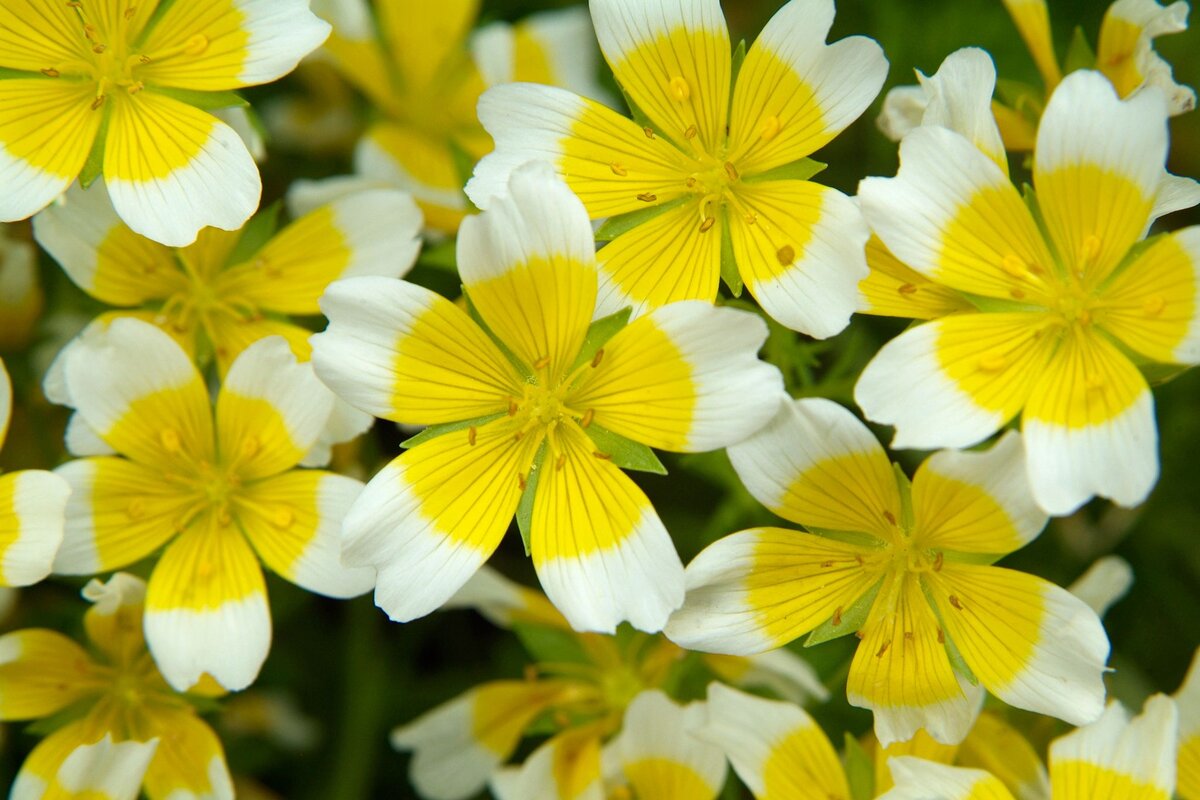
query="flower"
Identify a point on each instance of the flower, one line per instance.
(1066, 300)
(656, 755)
(112, 87)
(1114, 757)
(538, 410)
(423, 77)
(32, 504)
(716, 183)
(208, 491)
(1187, 699)
(229, 289)
(906, 569)
(134, 729)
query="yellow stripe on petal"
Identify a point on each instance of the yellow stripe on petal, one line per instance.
(294, 520)
(502, 710)
(190, 760)
(901, 671)
(35, 35)
(666, 779)
(1153, 306)
(1080, 779)
(206, 609)
(600, 550)
(998, 747)
(46, 134)
(152, 136)
(894, 290)
(425, 37)
(403, 353)
(1031, 643)
(1188, 781)
(230, 336)
(43, 672)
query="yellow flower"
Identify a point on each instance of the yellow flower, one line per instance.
(905, 569)
(120, 697)
(716, 180)
(106, 86)
(1115, 758)
(32, 504)
(214, 493)
(214, 297)
(424, 77)
(1065, 300)
(534, 410)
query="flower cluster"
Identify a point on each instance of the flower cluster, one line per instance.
(524, 285)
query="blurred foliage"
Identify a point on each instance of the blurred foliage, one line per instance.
(358, 675)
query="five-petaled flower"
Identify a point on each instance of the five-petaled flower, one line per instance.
(537, 410)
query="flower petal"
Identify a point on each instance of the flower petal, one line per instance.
(686, 377)
(103, 770)
(1032, 644)
(190, 762)
(399, 351)
(895, 290)
(409, 159)
(761, 588)
(173, 169)
(41, 673)
(660, 756)
(566, 766)
(35, 36)
(424, 38)
(1187, 699)
(917, 779)
(32, 506)
(1125, 50)
(206, 609)
(794, 92)
(599, 548)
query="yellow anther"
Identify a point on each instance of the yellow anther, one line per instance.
(74, 4)
(941, 636)
(883, 649)
(251, 447)
(512, 407)
(204, 569)
(587, 418)
(143, 59)
(750, 218)
(99, 101)
(770, 128)
(134, 88)
(169, 440)
(1085, 317)
(1016, 294)
(196, 45)
(731, 171)
(283, 517)
(560, 462)
(50, 72)
(908, 636)
(99, 48)
(1014, 266)
(690, 182)
(907, 288)
(647, 197)
(1154, 306)
(707, 224)
(471, 434)
(648, 131)
(954, 601)
(602, 456)
(837, 616)
(826, 564)
(136, 508)
(596, 359)
(88, 30)
(939, 561)
(542, 362)
(690, 133)
(889, 516)
(130, 12)
(680, 89)
(621, 793)
(1094, 382)
(521, 481)
(224, 517)
(786, 255)
(993, 362)
(618, 169)
(1091, 248)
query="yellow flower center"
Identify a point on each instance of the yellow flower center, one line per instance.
(201, 301)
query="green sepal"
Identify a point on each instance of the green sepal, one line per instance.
(1156, 374)
(801, 170)
(735, 66)
(464, 165)
(48, 725)
(207, 101)
(93, 166)
(434, 431)
(904, 485)
(8, 72)
(525, 506)
(598, 334)
(639, 116)
(548, 645)
(1131, 256)
(956, 660)
(853, 618)
(1079, 53)
(255, 234)
(860, 769)
(729, 268)
(625, 453)
(521, 367)
(156, 16)
(623, 223)
(856, 538)
(996, 304)
(1022, 97)
(977, 559)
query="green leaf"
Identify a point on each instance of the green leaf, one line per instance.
(1079, 53)
(434, 431)
(623, 223)
(93, 167)
(256, 233)
(860, 769)
(729, 267)
(800, 170)
(598, 334)
(521, 367)
(525, 507)
(550, 645)
(906, 501)
(48, 725)
(625, 453)
(850, 621)
(208, 101)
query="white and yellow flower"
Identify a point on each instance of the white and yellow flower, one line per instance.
(908, 570)
(32, 507)
(534, 410)
(1115, 758)
(1066, 300)
(130, 731)
(219, 495)
(717, 180)
(112, 87)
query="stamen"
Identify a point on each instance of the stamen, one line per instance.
(134, 88)
(1091, 248)
(51, 72)
(707, 224)
(690, 133)
(786, 255)
(690, 182)
(596, 359)
(560, 462)
(941, 636)
(99, 48)
(1094, 382)
(602, 456)
(587, 418)
(169, 440)
(993, 362)
(1154, 306)
(471, 435)
(889, 516)
(859, 634)
(908, 636)
(130, 12)
(283, 517)
(99, 101)
(731, 171)
(618, 169)
(1016, 294)
(251, 447)
(751, 218)
(680, 89)
(770, 128)
(542, 362)
(1013, 266)
(136, 508)
(521, 481)
(939, 561)
(826, 564)
(858, 557)
(647, 197)
(224, 518)
(648, 131)
(883, 649)
(837, 616)
(196, 45)
(954, 601)
(512, 407)
(907, 288)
